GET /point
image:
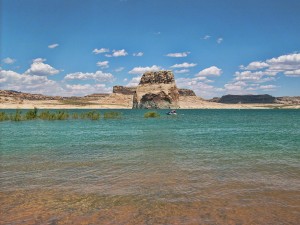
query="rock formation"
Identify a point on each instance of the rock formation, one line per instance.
(124, 90)
(186, 92)
(233, 99)
(156, 90)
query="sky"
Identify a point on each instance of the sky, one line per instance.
(214, 47)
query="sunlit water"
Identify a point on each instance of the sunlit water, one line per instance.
(199, 167)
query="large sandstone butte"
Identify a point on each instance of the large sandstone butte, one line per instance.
(156, 90)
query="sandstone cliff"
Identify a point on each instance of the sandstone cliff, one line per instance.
(124, 90)
(156, 90)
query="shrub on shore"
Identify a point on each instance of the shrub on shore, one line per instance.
(92, 115)
(112, 115)
(151, 115)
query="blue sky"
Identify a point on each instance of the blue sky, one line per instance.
(78, 47)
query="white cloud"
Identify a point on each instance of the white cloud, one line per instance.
(85, 89)
(119, 69)
(182, 71)
(103, 64)
(141, 70)
(178, 54)
(39, 68)
(268, 87)
(134, 81)
(117, 53)
(184, 65)
(98, 76)
(292, 73)
(199, 86)
(138, 54)
(11, 80)
(53, 46)
(211, 71)
(206, 37)
(219, 40)
(255, 66)
(257, 76)
(286, 59)
(8, 60)
(101, 50)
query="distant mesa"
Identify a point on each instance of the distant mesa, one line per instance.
(246, 99)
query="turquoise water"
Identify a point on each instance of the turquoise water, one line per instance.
(201, 166)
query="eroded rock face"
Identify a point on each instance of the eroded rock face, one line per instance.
(234, 99)
(186, 92)
(156, 90)
(124, 90)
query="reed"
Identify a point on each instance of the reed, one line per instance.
(32, 114)
(3, 116)
(151, 115)
(17, 116)
(112, 115)
(46, 115)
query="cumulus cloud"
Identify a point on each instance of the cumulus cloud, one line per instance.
(11, 80)
(219, 40)
(98, 76)
(101, 50)
(8, 60)
(134, 81)
(268, 87)
(292, 73)
(200, 86)
(138, 54)
(184, 65)
(178, 54)
(85, 89)
(141, 70)
(103, 64)
(39, 68)
(255, 66)
(211, 71)
(117, 53)
(53, 46)
(182, 71)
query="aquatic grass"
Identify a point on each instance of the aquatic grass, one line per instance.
(151, 115)
(47, 115)
(62, 115)
(17, 116)
(92, 115)
(3, 116)
(112, 115)
(75, 116)
(32, 114)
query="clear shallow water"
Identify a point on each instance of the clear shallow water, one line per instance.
(199, 167)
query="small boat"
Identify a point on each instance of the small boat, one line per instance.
(173, 112)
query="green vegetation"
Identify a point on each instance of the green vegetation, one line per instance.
(151, 115)
(17, 116)
(112, 115)
(3, 116)
(31, 114)
(92, 115)
(47, 115)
